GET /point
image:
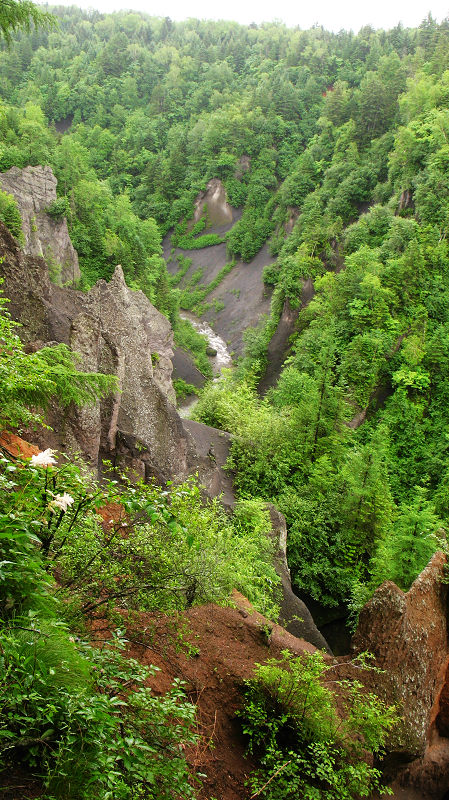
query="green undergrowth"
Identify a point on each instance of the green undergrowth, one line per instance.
(195, 239)
(197, 243)
(184, 266)
(191, 298)
(183, 389)
(306, 747)
(10, 215)
(82, 719)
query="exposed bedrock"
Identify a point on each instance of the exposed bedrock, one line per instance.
(295, 616)
(408, 636)
(34, 189)
(241, 298)
(212, 203)
(116, 331)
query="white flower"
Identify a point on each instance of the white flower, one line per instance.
(62, 501)
(44, 459)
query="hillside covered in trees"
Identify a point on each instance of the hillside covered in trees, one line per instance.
(345, 138)
(333, 149)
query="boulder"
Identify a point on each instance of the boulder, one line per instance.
(34, 189)
(408, 636)
(207, 455)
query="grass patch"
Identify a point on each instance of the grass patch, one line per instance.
(184, 266)
(183, 389)
(190, 299)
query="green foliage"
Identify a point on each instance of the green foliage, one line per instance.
(407, 547)
(197, 243)
(187, 337)
(335, 147)
(184, 266)
(248, 235)
(24, 584)
(10, 215)
(179, 551)
(305, 746)
(86, 720)
(59, 208)
(183, 389)
(16, 14)
(83, 720)
(32, 381)
(289, 121)
(191, 298)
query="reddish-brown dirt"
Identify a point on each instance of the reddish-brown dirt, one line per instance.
(213, 650)
(15, 446)
(17, 784)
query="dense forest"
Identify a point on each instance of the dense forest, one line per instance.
(344, 142)
(346, 138)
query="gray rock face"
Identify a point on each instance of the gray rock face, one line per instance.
(34, 189)
(219, 211)
(208, 453)
(295, 616)
(118, 332)
(407, 634)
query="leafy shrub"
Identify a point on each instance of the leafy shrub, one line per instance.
(86, 721)
(10, 215)
(183, 389)
(59, 208)
(189, 242)
(248, 235)
(306, 747)
(236, 191)
(32, 380)
(177, 551)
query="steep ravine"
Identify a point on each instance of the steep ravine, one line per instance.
(117, 331)
(241, 298)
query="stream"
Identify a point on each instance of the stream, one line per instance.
(221, 360)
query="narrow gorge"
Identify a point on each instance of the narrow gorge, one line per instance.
(224, 395)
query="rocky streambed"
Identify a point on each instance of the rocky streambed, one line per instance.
(220, 357)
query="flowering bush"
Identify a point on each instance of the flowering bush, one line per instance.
(177, 551)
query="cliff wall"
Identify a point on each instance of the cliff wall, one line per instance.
(116, 331)
(34, 189)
